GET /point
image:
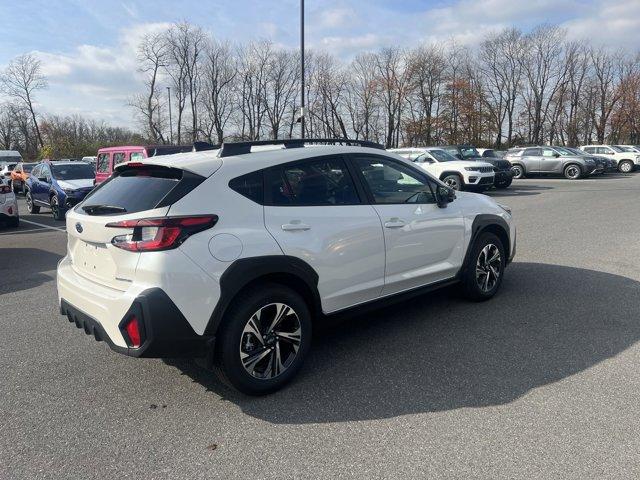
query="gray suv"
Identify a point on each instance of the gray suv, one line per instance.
(550, 161)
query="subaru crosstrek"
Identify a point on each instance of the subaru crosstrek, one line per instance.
(229, 255)
(58, 186)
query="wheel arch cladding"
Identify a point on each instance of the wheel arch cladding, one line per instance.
(492, 224)
(447, 173)
(246, 273)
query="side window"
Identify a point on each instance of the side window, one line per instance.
(533, 152)
(249, 185)
(605, 150)
(45, 172)
(589, 149)
(547, 152)
(322, 181)
(391, 182)
(136, 156)
(102, 164)
(118, 158)
(35, 173)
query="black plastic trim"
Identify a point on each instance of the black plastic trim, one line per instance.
(164, 331)
(244, 271)
(229, 149)
(480, 224)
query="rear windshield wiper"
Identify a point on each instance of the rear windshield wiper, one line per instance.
(98, 209)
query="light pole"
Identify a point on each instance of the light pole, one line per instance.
(170, 122)
(302, 112)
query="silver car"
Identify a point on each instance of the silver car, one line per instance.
(551, 161)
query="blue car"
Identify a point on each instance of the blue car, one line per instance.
(58, 186)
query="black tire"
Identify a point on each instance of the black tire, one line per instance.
(232, 336)
(453, 181)
(471, 280)
(518, 171)
(13, 222)
(23, 189)
(572, 171)
(57, 210)
(31, 208)
(13, 187)
(625, 166)
(503, 185)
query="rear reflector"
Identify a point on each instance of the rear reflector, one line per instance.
(133, 330)
(162, 233)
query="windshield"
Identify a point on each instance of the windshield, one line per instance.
(616, 148)
(624, 149)
(76, 171)
(27, 167)
(564, 151)
(442, 156)
(469, 152)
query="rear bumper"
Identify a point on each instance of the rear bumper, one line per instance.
(102, 312)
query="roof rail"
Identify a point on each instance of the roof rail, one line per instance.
(229, 149)
(203, 146)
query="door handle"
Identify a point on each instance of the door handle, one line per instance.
(394, 223)
(295, 225)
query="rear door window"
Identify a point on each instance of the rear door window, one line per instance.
(118, 158)
(134, 190)
(321, 181)
(136, 156)
(532, 152)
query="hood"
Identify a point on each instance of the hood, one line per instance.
(76, 184)
(466, 163)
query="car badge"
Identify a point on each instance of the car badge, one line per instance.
(79, 227)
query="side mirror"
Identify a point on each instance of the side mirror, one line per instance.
(444, 196)
(556, 154)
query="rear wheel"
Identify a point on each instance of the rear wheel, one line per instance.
(483, 274)
(625, 166)
(572, 172)
(453, 181)
(263, 339)
(31, 208)
(518, 171)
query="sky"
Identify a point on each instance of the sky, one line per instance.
(88, 47)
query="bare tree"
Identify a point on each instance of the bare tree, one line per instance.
(21, 80)
(280, 87)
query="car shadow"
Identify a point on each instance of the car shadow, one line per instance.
(23, 268)
(439, 352)
(515, 190)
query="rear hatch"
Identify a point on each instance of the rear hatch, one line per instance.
(133, 192)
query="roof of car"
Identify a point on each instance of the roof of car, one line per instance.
(206, 162)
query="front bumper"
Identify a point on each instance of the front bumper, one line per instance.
(165, 331)
(503, 176)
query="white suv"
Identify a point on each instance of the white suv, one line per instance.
(625, 160)
(457, 174)
(229, 255)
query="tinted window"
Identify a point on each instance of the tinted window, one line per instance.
(76, 171)
(135, 189)
(250, 185)
(391, 182)
(102, 164)
(534, 152)
(27, 167)
(118, 158)
(323, 181)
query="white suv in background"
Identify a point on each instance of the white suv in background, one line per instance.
(457, 174)
(626, 160)
(230, 255)
(8, 205)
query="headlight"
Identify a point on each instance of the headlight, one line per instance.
(505, 208)
(472, 169)
(69, 191)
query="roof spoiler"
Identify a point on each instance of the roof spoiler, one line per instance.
(229, 149)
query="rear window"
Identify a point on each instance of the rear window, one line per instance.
(139, 189)
(77, 171)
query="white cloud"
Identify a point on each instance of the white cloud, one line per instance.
(612, 23)
(337, 17)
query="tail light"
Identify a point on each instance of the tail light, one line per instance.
(163, 233)
(5, 189)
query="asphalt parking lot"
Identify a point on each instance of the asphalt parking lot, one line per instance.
(540, 382)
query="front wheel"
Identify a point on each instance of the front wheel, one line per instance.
(263, 339)
(453, 181)
(572, 172)
(504, 184)
(31, 207)
(485, 267)
(625, 166)
(518, 171)
(56, 209)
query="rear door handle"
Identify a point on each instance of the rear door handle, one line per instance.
(394, 223)
(295, 225)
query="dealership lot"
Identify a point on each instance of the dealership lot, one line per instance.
(539, 382)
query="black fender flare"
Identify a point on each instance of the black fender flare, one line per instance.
(488, 222)
(244, 271)
(451, 172)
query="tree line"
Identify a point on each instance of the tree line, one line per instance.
(510, 88)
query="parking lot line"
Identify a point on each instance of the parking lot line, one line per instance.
(43, 225)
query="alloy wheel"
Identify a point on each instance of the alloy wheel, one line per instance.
(29, 201)
(625, 167)
(55, 208)
(572, 172)
(270, 341)
(488, 267)
(517, 171)
(452, 182)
